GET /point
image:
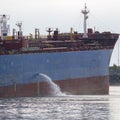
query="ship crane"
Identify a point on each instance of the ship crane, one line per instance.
(85, 12)
(3, 26)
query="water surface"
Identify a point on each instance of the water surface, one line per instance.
(71, 107)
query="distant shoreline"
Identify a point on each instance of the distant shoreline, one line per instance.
(114, 75)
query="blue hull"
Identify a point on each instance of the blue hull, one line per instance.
(24, 68)
(76, 72)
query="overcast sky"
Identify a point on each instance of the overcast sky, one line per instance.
(63, 14)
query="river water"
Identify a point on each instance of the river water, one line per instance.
(69, 107)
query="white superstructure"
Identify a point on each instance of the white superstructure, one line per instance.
(3, 26)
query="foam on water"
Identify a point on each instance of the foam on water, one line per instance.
(55, 89)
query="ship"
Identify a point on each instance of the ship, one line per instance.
(77, 62)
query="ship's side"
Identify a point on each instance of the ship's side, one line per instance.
(76, 72)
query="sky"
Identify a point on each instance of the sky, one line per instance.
(63, 14)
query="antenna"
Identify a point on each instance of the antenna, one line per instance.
(85, 12)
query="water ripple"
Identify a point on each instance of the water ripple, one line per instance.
(70, 107)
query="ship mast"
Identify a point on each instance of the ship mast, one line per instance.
(85, 12)
(19, 24)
